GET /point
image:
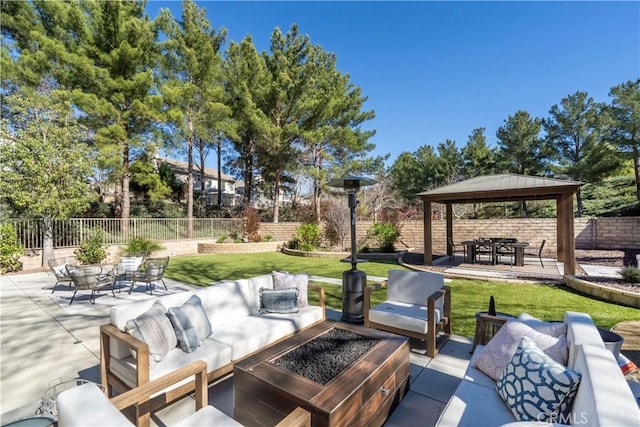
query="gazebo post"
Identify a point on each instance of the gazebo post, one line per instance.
(449, 215)
(428, 244)
(569, 239)
(560, 229)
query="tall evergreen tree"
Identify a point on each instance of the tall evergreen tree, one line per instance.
(477, 158)
(625, 130)
(412, 173)
(521, 149)
(575, 130)
(449, 163)
(111, 71)
(246, 86)
(191, 69)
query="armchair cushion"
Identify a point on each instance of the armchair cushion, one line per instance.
(88, 406)
(499, 351)
(130, 263)
(154, 328)
(401, 315)
(190, 323)
(413, 287)
(536, 387)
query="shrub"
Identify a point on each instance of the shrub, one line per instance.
(384, 234)
(140, 244)
(630, 274)
(251, 224)
(307, 237)
(268, 238)
(222, 238)
(91, 250)
(10, 249)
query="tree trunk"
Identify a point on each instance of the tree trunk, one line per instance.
(276, 197)
(47, 240)
(524, 209)
(219, 159)
(126, 202)
(190, 182)
(636, 167)
(578, 203)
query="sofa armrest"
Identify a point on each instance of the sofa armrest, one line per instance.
(108, 332)
(321, 296)
(140, 395)
(299, 417)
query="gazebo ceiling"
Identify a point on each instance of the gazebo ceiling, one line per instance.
(501, 188)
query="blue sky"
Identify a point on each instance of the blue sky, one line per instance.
(436, 70)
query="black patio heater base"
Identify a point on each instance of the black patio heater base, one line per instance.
(353, 283)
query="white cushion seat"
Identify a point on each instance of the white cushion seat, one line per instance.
(87, 406)
(402, 315)
(214, 353)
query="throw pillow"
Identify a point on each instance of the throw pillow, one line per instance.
(555, 329)
(154, 328)
(279, 300)
(536, 387)
(501, 348)
(190, 323)
(299, 281)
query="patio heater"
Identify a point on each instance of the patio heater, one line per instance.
(354, 280)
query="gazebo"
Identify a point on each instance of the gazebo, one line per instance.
(507, 188)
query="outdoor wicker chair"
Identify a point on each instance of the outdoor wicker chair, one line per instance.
(89, 278)
(152, 270)
(58, 266)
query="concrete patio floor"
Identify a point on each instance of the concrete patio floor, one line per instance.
(42, 343)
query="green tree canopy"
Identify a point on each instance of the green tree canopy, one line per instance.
(625, 129)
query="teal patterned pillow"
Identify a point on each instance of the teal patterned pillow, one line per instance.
(536, 387)
(279, 300)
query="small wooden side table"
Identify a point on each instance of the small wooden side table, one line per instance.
(487, 326)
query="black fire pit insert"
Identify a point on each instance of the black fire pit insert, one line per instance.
(324, 357)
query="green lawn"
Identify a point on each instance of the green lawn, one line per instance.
(547, 302)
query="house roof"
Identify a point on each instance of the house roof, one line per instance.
(182, 167)
(500, 188)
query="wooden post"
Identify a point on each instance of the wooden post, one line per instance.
(428, 244)
(560, 229)
(449, 214)
(569, 238)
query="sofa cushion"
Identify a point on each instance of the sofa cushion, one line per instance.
(255, 283)
(402, 315)
(501, 348)
(226, 301)
(214, 353)
(207, 417)
(279, 300)
(256, 332)
(555, 329)
(299, 281)
(154, 328)
(190, 323)
(536, 387)
(475, 375)
(472, 405)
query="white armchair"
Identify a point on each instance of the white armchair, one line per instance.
(418, 305)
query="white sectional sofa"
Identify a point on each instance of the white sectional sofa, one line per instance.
(238, 329)
(603, 397)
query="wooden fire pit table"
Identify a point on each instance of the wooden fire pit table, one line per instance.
(364, 393)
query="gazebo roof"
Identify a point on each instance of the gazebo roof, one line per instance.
(500, 188)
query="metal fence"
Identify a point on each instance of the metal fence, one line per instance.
(72, 232)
